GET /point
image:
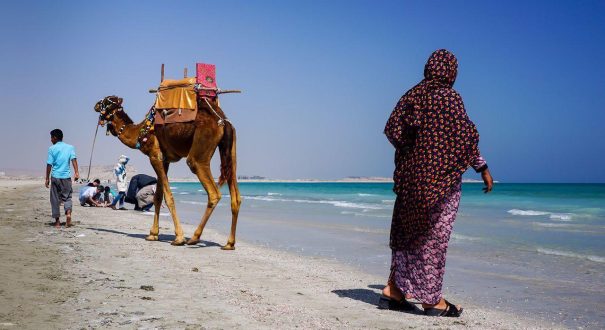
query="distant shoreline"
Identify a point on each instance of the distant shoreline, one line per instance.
(185, 180)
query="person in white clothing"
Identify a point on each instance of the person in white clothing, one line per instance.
(120, 172)
(88, 194)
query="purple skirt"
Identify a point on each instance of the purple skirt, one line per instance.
(418, 269)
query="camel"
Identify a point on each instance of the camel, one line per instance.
(196, 141)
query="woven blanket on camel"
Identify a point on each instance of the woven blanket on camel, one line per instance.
(177, 94)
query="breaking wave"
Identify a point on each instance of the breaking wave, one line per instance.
(342, 204)
(552, 215)
(526, 212)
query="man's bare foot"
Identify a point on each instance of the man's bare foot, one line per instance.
(57, 224)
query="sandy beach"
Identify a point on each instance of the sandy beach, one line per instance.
(103, 274)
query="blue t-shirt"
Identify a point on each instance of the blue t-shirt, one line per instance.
(59, 156)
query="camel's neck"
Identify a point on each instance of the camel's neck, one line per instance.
(128, 132)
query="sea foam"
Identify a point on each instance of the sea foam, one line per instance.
(552, 215)
(192, 202)
(162, 214)
(551, 225)
(526, 212)
(570, 254)
(460, 237)
(561, 216)
(343, 204)
(362, 214)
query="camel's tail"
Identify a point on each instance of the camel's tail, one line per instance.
(228, 155)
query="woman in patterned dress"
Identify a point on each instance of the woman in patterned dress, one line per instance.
(435, 143)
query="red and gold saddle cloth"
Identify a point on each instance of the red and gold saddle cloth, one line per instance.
(176, 100)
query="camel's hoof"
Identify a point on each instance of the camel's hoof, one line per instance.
(192, 241)
(228, 246)
(152, 238)
(178, 242)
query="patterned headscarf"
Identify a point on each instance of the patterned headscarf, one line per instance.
(435, 143)
(442, 66)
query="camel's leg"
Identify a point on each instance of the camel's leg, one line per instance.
(236, 201)
(202, 170)
(161, 169)
(157, 203)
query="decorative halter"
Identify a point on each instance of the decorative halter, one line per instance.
(108, 107)
(108, 111)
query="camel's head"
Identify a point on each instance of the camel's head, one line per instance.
(107, 108)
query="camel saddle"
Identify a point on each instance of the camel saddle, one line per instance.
(176, 101)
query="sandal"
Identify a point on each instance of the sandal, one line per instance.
(402, 305)
(449, 311)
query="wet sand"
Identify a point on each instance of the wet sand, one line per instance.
(102, 273)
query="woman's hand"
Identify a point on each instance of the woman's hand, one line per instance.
(487, 180)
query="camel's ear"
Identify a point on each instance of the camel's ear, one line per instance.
(120, 101)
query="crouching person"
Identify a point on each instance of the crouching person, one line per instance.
(107, 196)
(89, 196)
(145, 197)
(137, 184)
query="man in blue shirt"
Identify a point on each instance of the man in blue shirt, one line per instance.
(57, 168)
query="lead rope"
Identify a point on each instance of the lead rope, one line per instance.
(91, 152)
(221, 121)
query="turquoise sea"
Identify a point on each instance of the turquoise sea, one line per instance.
(535, 249)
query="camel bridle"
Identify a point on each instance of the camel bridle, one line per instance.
(108, 108)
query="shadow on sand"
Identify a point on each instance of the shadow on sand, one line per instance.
(162, 238)
(365, 295)
(370, 297)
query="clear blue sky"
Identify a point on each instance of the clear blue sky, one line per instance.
(319, 78)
